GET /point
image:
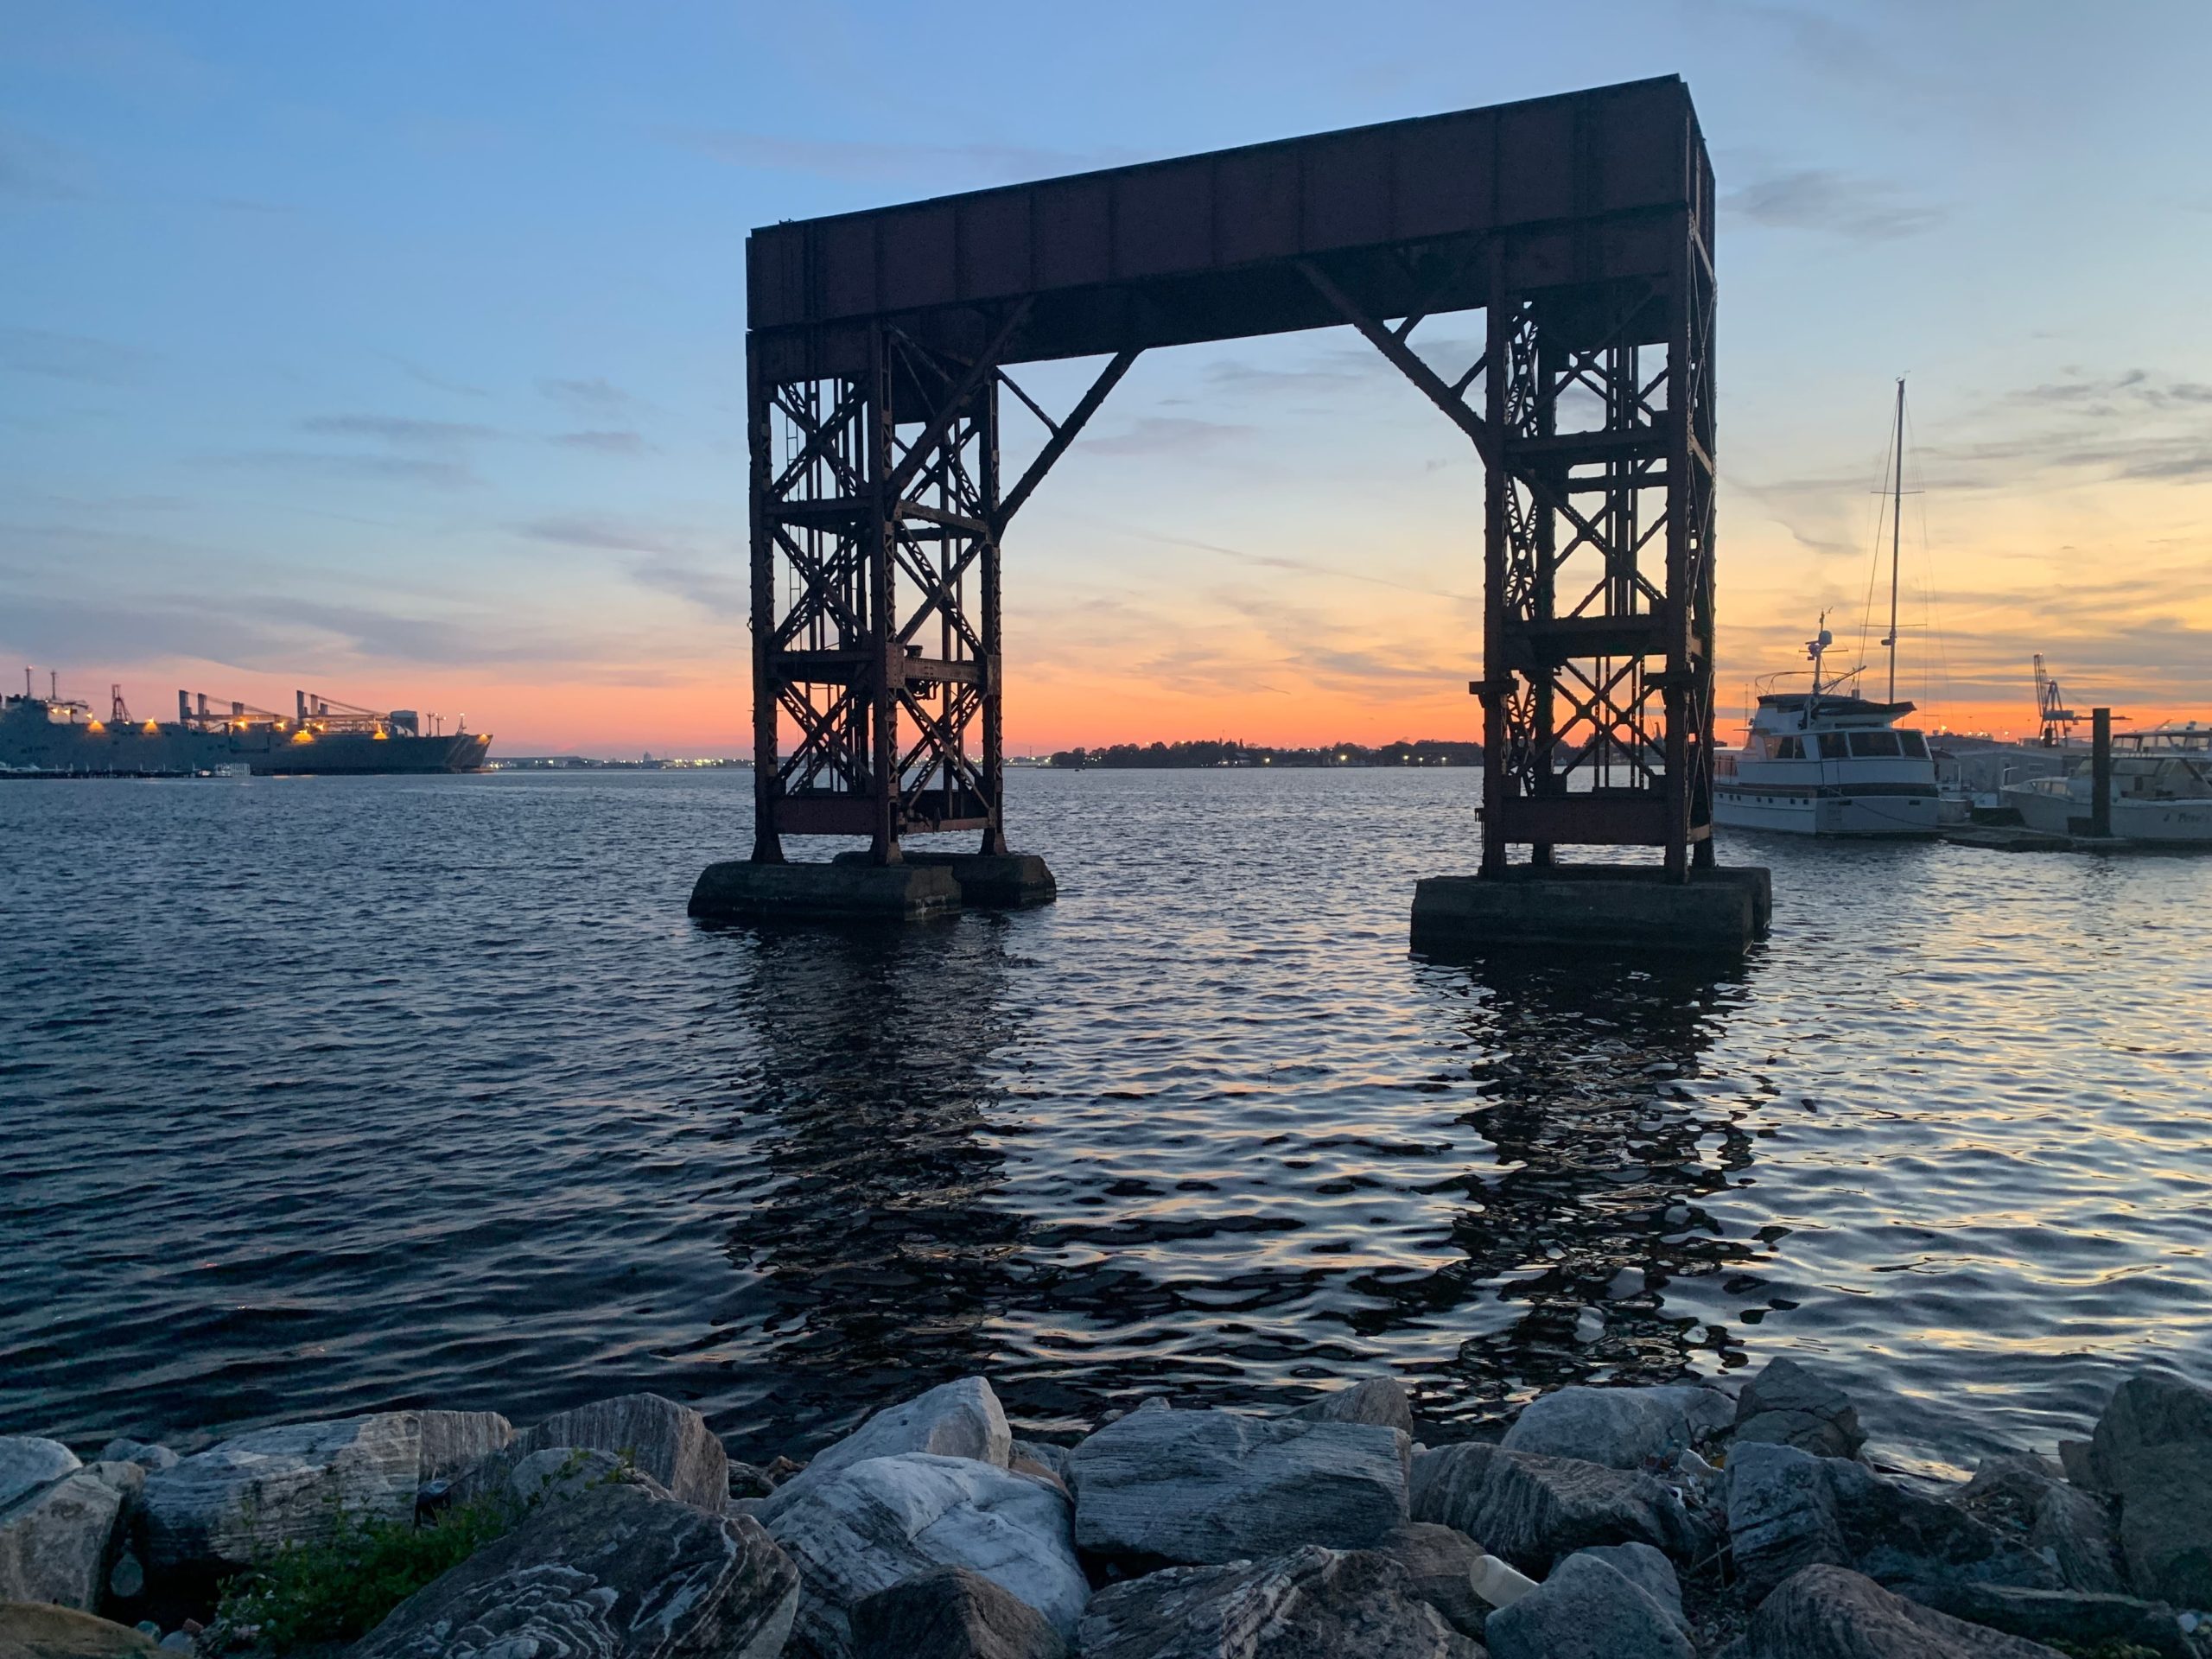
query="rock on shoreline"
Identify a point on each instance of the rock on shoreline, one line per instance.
(1659, 1523)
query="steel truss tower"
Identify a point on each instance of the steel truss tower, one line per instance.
(880, 343)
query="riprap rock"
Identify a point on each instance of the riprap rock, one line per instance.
(1193, 1487)
(616, 1573)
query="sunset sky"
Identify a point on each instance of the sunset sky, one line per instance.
(396, 350)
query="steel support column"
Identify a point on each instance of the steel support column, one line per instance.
(1598, 690)
(876, 525)
(875, 639)
(1596, 431)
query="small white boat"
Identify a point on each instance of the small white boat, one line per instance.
(1830, 762)
(2161, 790)
(1827, 764)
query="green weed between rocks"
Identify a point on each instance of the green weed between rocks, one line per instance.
(340, 1589)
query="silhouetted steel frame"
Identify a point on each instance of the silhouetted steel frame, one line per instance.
(879, 342)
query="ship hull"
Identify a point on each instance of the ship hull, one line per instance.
(1834, 809)
(31, 743)
(2183, 822)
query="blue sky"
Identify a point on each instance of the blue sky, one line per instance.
(396, 350)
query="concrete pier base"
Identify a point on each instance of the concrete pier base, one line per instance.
(742, 890)
(988, 880)
(1600, 907)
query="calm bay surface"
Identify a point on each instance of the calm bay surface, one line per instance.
(325, 1095)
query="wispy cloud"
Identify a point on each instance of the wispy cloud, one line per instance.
(599, 530)
(849, 158)
(33, 169)
(1822, 43)
(284, 634)
(1167, 435)
(436, 382)
(71, 356)
(426, 471)
(1310, 567)
(722, 587)
(604, 443)
(597, 396)
(1822, 198)
(401, 431)
(2109, 393)
(667, 562)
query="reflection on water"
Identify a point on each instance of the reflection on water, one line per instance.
(870, 1221)
(1589, 1073)
(342, 1093)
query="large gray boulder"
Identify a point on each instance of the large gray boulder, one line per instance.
(1441, 1563)
(2070, 1526)
(1781, 1516)
(1789, 1403)
(58, 1541)
(1648, 1570)
(1789, 1510)
(2152, 1450)
(1311, 1603)
(238, 1502)
(952, 1614)
(616, 1573)
(454, 1442)
(873, 1524)
(960, 1418)
(564, 1471)
(1532, 1510)
(668, 1441)
(1588, 1608)
(1378, 1400)
(1195, 1487)
(1622, 1428)
(1830, 1612)
(27, 1462)
(2070, 1616)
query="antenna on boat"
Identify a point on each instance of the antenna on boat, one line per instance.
(1813, 647)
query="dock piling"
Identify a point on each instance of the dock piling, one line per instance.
(2100, 773)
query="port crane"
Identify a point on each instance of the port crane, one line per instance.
(194, 714)
(2051, 711)
(329, 714)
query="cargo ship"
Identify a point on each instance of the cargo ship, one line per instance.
(54, 736)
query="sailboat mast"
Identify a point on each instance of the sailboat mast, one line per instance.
(1897, 520)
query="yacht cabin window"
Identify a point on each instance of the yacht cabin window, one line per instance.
(1790, 749)
(1875, 745)
(1916, 745)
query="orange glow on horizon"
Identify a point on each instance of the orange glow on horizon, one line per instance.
(1054, 706)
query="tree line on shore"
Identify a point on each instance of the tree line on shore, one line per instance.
(1230, 752)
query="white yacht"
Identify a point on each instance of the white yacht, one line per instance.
(1826, 762)
(2161, 789)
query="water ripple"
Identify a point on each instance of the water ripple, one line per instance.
(327, 1094)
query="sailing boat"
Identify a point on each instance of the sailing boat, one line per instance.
(1828, 761)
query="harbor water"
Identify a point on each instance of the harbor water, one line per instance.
(325, 1095)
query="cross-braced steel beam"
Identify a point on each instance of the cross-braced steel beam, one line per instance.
(1595, 427)
(877, 523)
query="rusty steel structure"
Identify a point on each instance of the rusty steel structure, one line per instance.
(879, 344)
